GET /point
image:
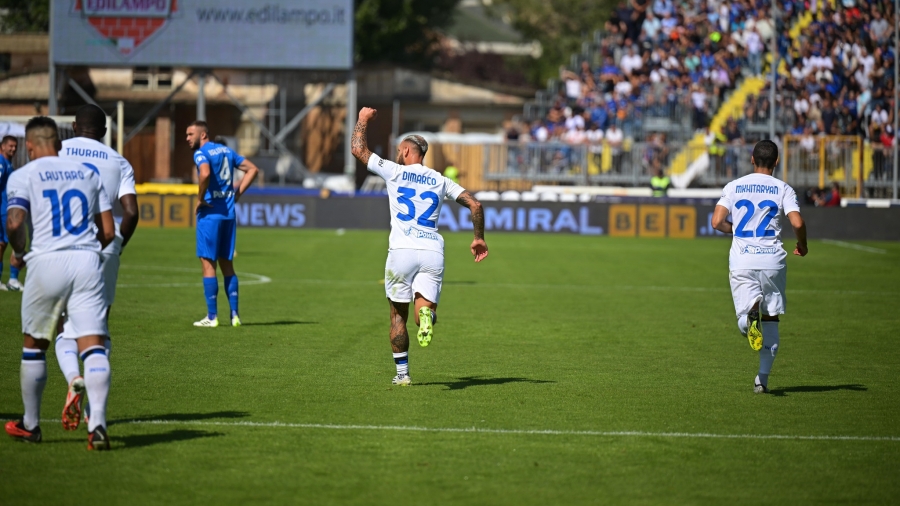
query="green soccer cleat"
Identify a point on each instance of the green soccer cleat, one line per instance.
(754, 330)
(426, 327)
(235, 321)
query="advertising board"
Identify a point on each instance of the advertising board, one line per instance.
(295, 34)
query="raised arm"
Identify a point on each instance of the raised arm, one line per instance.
(799, 231)
(720, 220)
(251, 171)
(359, 144)
(479, 247)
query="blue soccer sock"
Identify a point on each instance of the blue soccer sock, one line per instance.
(13, 272)
(231, 288)
(211, 291)
(1, 268)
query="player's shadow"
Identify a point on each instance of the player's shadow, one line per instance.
(477, 381)
(172, 436)
(183, 417)
(279, 323)
(817, 388)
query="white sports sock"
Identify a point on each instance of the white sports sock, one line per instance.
(401, 360)
(96, 380)
(743, 326)
(771, 339)
(67, 356)
(33, 377)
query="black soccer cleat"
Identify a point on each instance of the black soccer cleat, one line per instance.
(98, 439)
(18, 432)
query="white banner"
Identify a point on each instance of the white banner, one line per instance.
(283, 34)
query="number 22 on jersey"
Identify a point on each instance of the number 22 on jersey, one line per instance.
(763, 229)
(406, 195)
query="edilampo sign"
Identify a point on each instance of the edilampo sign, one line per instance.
(296, 34)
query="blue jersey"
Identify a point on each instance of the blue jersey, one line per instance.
(5, 170)
(220, 193)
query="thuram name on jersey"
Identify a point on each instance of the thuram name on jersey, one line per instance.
(86, 152)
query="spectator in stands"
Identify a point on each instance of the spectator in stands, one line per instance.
(830, 199)
(615, 139)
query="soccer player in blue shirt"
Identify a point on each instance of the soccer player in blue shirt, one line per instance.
(216, 225)
(8, 147)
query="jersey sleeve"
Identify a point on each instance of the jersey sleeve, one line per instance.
(102, 203)
(236, 159)
(725, 199)
(381, 167)
(790, 203)
(126, 185)
(17, 192)
(452, 189)
(200, 158)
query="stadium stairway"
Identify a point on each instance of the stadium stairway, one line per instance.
(683, 167)
(693, 159)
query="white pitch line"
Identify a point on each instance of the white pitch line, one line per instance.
(259, 278)
(535, 432)
(607, 288)
(858, 247)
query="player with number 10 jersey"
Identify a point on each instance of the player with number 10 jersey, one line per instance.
(757, 261)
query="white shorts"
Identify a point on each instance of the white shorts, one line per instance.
(411, 271)
(69, 281)
(748, 285)
(110, 269)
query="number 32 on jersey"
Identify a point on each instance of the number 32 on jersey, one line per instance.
(406, 194)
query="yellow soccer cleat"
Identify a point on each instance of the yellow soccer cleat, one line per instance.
(426, 327)
(235, 321)
(754, 330)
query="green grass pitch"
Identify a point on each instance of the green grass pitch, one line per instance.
(541, 353)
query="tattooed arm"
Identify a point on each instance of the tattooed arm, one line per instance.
(358, 145)
(479, 247)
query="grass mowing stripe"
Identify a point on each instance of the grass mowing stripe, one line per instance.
(477, 430)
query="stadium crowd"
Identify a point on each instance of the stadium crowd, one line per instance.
(660, 59)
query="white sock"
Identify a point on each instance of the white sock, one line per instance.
(743, 326)
(767, 354)
(401, 360)
(67, 356)
(33, 377)
(96, 380)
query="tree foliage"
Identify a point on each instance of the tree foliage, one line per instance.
(400, 31)
(559, 25)
(25, 16)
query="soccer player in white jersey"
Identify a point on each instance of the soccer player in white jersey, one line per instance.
(117, 176)
(415, 262)
(72, 223)
(756, 262)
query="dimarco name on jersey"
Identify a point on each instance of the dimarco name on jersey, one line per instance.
(416, 178)
(60, 175)
(89, 153)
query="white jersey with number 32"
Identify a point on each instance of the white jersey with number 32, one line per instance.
(756, 203)
(62, 197)
(416, 194)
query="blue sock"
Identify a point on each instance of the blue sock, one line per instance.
(231, 288)
(13, 272)
(1, 268)
(211, 290)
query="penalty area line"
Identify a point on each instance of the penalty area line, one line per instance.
(529, 432)
(255, 279)
(858, 247)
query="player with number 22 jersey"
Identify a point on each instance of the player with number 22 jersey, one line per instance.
(757, 261)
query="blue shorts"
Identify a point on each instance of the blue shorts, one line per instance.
(3, 238)
(216, 237)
